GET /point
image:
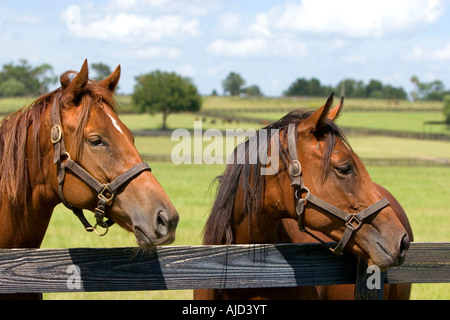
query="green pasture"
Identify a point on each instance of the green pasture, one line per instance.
(235, 103)
(423, 192)
(306, 103)
(411, 121)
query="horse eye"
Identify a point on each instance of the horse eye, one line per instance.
(96, 142)
(345, 170)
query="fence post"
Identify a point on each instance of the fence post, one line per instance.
(369, 282)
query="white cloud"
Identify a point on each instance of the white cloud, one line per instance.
(418, 54)
(350, 18)
(256, 47)
(127, 27)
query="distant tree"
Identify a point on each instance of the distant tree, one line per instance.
(101, 70)
(253, 91)
(375, 89)
(166, 93)
(297, 88)
(32, 80)
(304, 87)
(233, 84)
(390, 92)
(12, 88)
(353, 88)
(434, 90)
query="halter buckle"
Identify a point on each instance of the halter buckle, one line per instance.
(295, 168)
(353, 222)
(56, 134)
(102, 195)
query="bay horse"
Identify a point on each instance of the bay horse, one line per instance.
(322, 188)
(70, 146)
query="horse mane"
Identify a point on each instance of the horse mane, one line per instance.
(14, 160)
(218, 228)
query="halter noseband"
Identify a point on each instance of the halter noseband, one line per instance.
(352, 221)
(105, 191)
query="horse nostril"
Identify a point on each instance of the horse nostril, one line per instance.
(404, 245)
(161, 224)
(160, 221)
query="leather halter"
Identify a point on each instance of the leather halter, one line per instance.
(105, 191)
(352, 221)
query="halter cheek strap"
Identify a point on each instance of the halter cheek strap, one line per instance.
(352, 221)
(105, 191)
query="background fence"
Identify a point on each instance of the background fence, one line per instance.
(206, 267)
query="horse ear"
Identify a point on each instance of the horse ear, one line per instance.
(317, 120)
(112, 81)
(336, 111)
(75, 87)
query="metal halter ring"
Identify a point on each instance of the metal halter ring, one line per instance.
(300, 206)
(299, 196)
(105, 226)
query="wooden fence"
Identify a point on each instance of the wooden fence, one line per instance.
(201, 267)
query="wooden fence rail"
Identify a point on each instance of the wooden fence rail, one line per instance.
(196, 267)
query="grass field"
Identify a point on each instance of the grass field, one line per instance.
(424, 192)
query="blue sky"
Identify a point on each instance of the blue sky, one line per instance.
(270, 43)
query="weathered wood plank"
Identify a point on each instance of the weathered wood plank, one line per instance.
(122, 269)
(425, 263)
(195, 267)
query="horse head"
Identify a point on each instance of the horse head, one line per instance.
(334, 193)
(98, 166)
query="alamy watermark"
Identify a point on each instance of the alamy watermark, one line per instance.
(374, 280)
(190, 148)
(72, 17)
(74, 277)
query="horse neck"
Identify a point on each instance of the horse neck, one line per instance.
(254, 227)
(24, 226)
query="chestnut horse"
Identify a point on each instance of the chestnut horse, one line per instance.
(70, 146)
(321, 187)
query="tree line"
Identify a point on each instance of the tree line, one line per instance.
(351, 88)
(233, 85)
(167, 92)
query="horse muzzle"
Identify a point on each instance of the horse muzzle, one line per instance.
(160, 232)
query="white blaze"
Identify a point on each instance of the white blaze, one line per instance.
(115, 123)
